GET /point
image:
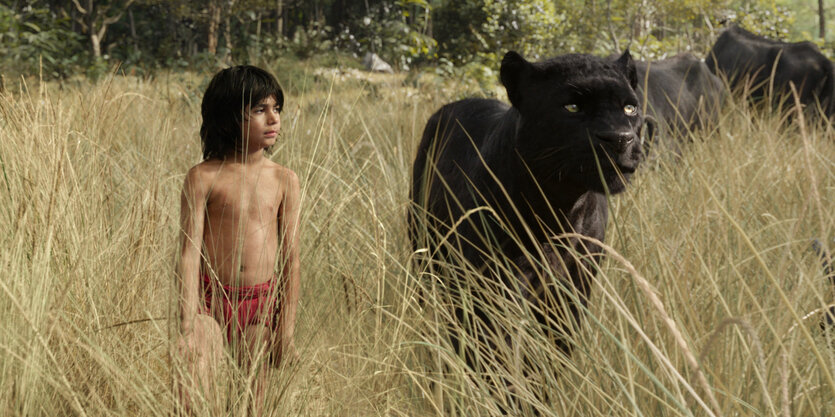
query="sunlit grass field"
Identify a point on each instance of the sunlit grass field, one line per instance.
(708, 304)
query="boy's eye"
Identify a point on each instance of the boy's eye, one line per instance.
(572, 108)
(630, 109)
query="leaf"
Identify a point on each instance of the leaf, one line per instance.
(32, 26)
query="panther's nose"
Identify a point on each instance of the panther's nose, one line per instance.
(619, 139)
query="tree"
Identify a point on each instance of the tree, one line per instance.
(467, 29)
(97, 16)
(219, 11)
(34, 40)
(821, 20)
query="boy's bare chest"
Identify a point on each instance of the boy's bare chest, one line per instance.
(252, 199)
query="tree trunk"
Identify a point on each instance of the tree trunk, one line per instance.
(279, 23)
(258, 27)
(227, 33)
(91, 16)
(214, 25)
(132, 25)
(429, 24)
(90, 21)
(96, 44)
(133, 37)
(821, 20)
(590, 16)
(611, 27)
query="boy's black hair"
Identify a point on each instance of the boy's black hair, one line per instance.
(230, 93)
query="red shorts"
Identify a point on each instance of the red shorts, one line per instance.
(241, 307)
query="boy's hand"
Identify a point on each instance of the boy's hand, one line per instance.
(188, 346)
(291, 355)
(186, 326)
(201, 345)
(285, 353)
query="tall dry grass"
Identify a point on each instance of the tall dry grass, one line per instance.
(705, 305)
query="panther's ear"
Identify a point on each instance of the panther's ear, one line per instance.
(628, 65)
(513, 72)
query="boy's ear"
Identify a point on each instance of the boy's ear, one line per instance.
(514, 71)
(628, 65)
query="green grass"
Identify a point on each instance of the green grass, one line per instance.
(714, 246)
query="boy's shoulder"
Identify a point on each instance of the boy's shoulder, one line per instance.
(200, 176)
(282, 173)
(207, 168)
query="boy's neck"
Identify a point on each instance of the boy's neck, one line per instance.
(247, 158)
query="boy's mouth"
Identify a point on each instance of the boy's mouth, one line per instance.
(270, 133)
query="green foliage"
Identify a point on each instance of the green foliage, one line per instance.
(309, 42)
(532, 27)
(764, 18)
(482, 30)
(828, 49)
(394, 30)
(34, 41)
(459, 37)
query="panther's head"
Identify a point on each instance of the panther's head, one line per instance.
(580, 119)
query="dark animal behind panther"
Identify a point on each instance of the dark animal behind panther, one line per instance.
(743, 57)
(541, 166)
(682, 94)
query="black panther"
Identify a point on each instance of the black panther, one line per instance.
(495, 185)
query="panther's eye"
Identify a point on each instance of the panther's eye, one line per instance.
(572, 108)
(630, 109)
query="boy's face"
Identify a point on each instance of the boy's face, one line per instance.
(261, 124)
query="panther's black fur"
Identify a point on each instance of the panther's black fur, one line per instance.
(543, 166)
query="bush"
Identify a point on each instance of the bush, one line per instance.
(36, 41)
(531, 27)
(392, 30)
(771, 22)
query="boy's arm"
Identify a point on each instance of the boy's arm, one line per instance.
(192, 216)
(288, 221)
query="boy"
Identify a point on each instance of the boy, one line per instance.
(238, 211)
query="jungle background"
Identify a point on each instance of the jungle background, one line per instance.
(62, 38)
(708, 303)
